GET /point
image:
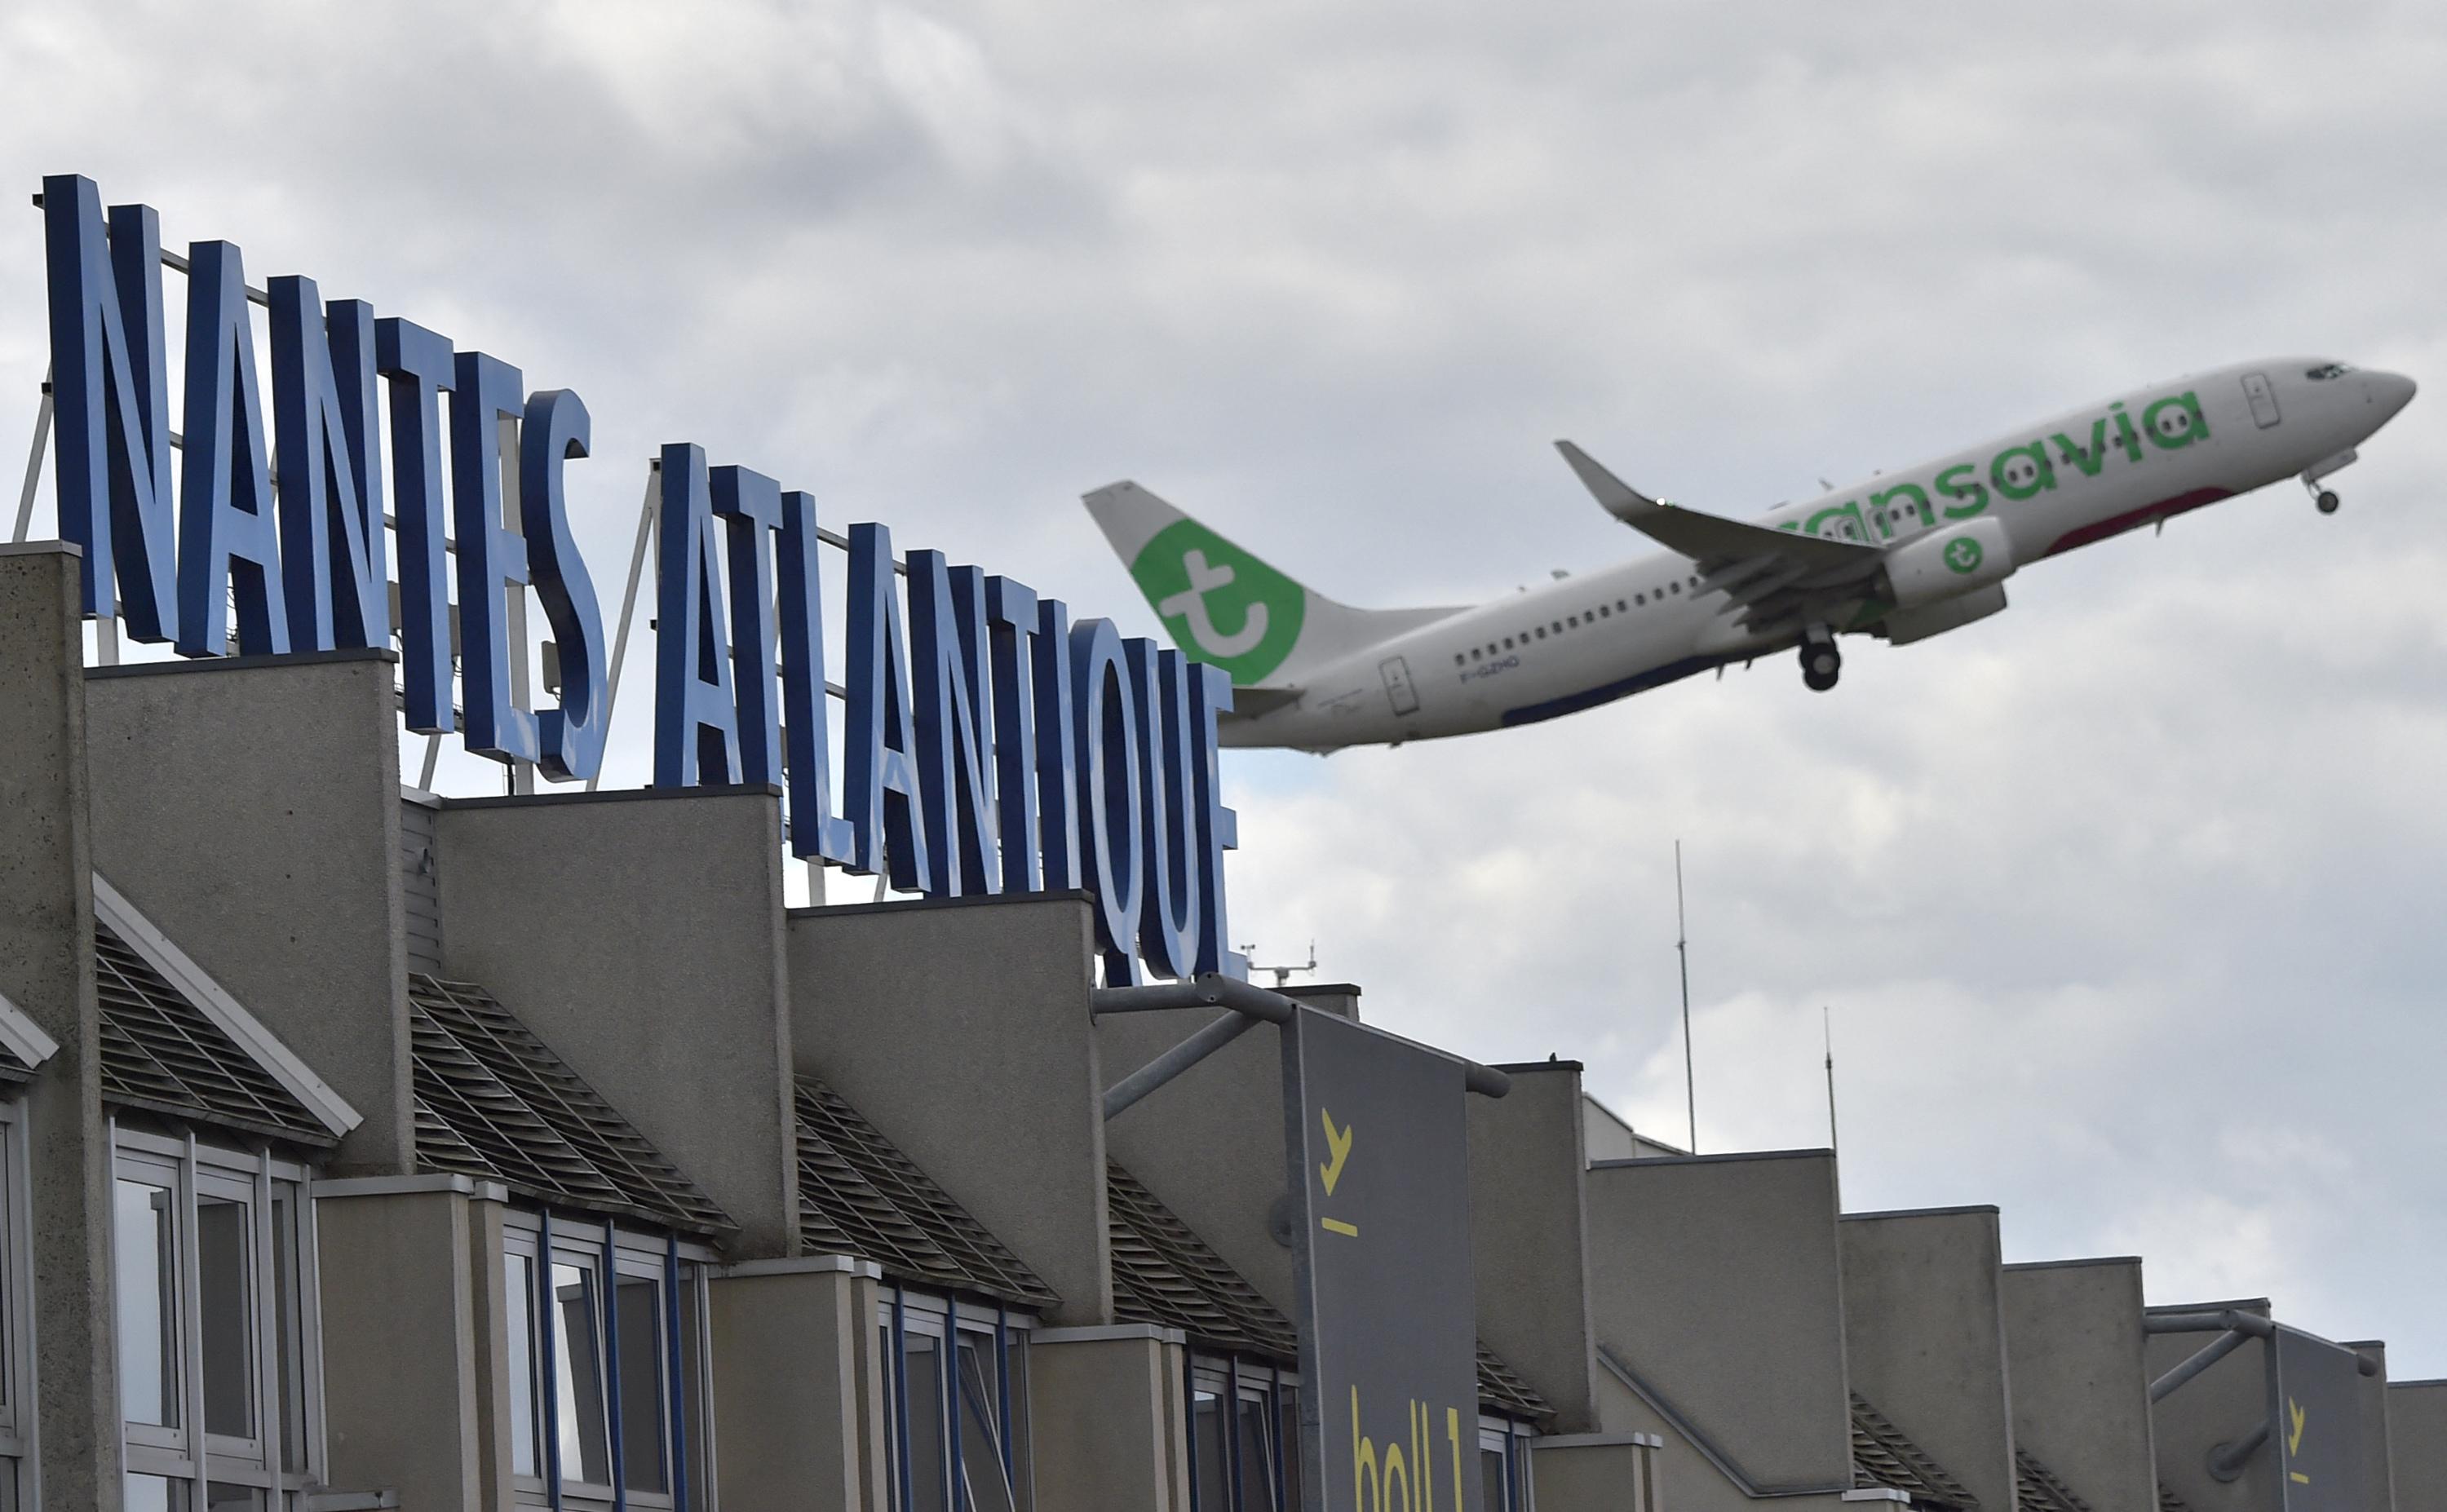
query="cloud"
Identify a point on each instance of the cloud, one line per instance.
(2124, 901)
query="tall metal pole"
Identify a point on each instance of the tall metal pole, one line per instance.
(1683, 949)
(1827, 1023)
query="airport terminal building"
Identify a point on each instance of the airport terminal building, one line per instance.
(365, 1147)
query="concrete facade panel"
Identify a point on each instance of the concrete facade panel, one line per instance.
(1109, 1420)
(1528, 1234)
(251, 810)
(1925, 1338)
(963, 1032)
(641, 936)
(2082, 1381)
(1718, 1281)
(398, 1286)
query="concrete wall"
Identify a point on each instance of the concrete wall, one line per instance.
(2416, 1434)
(1209, 1144)
(1110, 1425)
(250, 808)
(2378, 1479)
(1529, 1236)
(639, 935)
(798, 1385)
(401, 1287)
(1924, 1337)
(2080, 1377)
(47, 968)
(939, 1020)
(1717, 1279)
(1607, 1134)
(2222, 1404)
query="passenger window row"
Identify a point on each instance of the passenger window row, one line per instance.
(1587, 616)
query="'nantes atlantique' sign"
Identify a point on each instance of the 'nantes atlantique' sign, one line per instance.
(990, 745)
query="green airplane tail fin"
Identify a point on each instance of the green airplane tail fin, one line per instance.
(1224, 605)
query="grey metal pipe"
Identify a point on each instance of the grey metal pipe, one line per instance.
(1485, 1080)
(2252, 1323)
(1131, 1088)
(2219, 1348)
(2227, 1460)
(1199, 992)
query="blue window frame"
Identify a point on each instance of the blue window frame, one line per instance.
(957, 1387)
(608, 1378)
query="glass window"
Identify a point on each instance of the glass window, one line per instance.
(519, 1286)
(928, 1442)
(1257, 1455)
(156, 1493)
(988, 1482)
(1287, 1420)
(225, 1304)
(1207, 1428)
(642, 1384)
(577, 1374)
(219, 1498)
(1493, 1492)
(289, 1326)
(147, 1255)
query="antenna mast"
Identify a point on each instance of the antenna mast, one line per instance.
(1827, 1023)
(1683, 949)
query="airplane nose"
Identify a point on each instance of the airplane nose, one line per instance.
(2391, 391)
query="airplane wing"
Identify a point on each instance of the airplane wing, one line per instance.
(1776, 574)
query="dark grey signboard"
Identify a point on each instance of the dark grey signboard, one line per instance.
(2315, 1423)
(1379, 1147)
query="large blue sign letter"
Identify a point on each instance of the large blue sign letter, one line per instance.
(883, 790)
(946, 636)
(696, 725)
(228, 539)
(418, 364)
(571, 737)
(491, 558)
(806, 711)
(751, 503)
(325, 461)
(1111, 838)
(110, 388)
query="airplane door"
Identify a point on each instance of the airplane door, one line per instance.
(1397, 685)
(2257, 389)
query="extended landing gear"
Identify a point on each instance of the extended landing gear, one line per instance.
(1821, 663)
(2323, 498)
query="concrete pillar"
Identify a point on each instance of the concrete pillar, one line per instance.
(1529, 1236)
(46, 969)
(1594, 1472)
(250, 807)
(2081, 1379)
(798, 1384)
(639, 935)
(1924, 1337)
(936, 1020)
(2379, 1486)
(1110, 1419)
(2417, 1433)
(408, 1399)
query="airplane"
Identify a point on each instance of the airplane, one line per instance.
(1901, 557)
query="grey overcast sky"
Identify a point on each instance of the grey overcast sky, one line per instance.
(2126, 902)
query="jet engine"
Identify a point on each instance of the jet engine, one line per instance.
(1949, 563)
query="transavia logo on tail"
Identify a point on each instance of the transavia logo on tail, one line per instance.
(1222, 606)
(1964, 555)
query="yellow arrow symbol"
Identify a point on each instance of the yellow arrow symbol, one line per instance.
(1339, 1145)
(2294, 1439)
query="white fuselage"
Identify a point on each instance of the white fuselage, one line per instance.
(1584, 640)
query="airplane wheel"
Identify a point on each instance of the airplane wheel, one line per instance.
(2327, 500)
(1821, 664)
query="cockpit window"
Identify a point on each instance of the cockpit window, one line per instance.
(2332, 370)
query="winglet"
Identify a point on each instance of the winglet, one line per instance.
(1620, 498)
